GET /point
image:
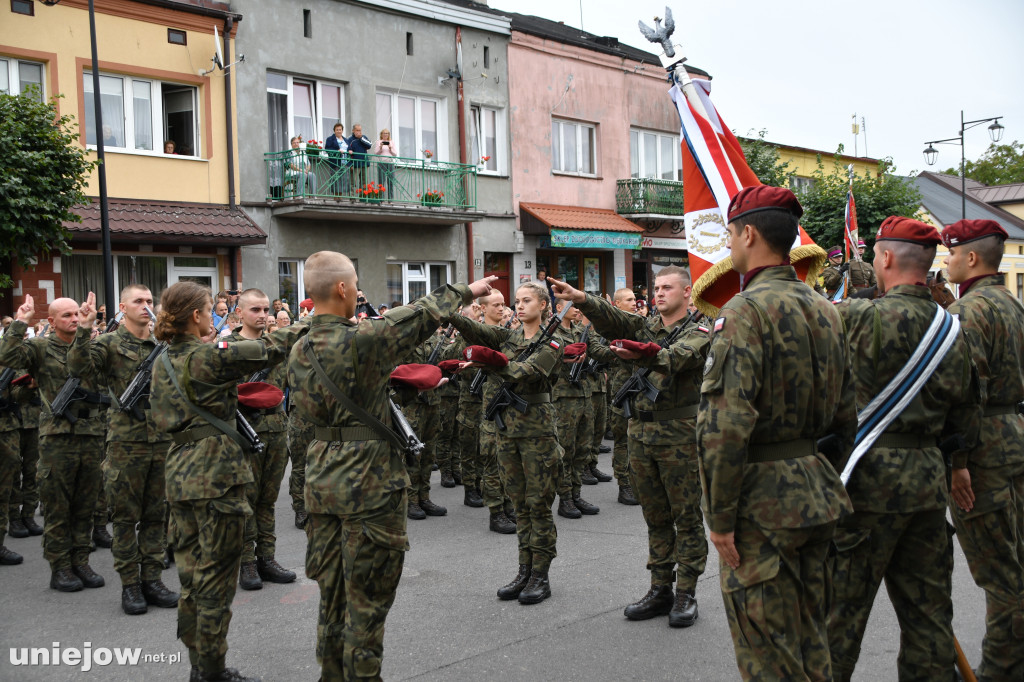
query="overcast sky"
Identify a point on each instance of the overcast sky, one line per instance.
(800, 69)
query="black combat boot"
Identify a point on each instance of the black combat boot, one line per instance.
(537, 590)
(472, 498)
(17, 529)
(657, 602)
(457, 477)
(684, 611)
(431, 509)
(157, 594)
(226, 675)
(599, 475)
(626, 495)
(447, 480)
(501, 523)
(273, 572)
(567, 509)
(300, 518)
(510, 512)
(416, 512)
(586, 477)
(132, 601)
(89, 577)
(583, 506)
(604, 449)
(9, 558)
(168, 558)
(512, 590)
(65, 581)
(101, 537)
(248, 578)
(31, 525)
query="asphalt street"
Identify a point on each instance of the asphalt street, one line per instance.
(446, 623)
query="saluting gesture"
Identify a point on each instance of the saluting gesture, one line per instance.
(27, 310)
(87, 311)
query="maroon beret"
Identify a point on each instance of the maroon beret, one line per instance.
(450, 366)
(485, 356)
(647, 350)
(421, 377)
(23, 380)
(762, 198)
(963, 231)
(259, 395)
(574, 350)
(307, 304)
(900, 229)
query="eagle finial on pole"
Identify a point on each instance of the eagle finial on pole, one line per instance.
(661, 33)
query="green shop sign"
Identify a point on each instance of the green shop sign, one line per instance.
(594, 239)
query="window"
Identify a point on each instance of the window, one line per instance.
(150, 271)
(138, 114)
(408, 44)
(487, 57)
(19, 77)
(800, 185)
(297, 106)
(654, 155)
(410, 281)
(177, 37)
(572, 148)
(1020, 287)
(23, 7)
(417, 124)
(289, 283)
(307, 23)
(81, 272)
(487, 125)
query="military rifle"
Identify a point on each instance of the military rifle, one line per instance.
(576, 370)
(138, 388)
(6, 377)
(260, 375)
(506, 397)
(410, 441)
(436, 352)
(70, 392)
(248, 433)
(114, 323)
(639, 383)
(476, 386)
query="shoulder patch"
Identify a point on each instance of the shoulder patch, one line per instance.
(710, 362)
(554, 344)
(704, 329)
(222, 344)
(719, 324)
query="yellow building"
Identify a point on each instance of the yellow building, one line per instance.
(803, 163)
(172, 211)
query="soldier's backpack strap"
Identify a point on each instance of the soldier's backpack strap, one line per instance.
(362, 415)
(218, 423)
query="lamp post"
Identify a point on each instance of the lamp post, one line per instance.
(931, 154)
(108, 258)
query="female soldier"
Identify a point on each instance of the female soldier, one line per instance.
(194, 398)
(528, 452)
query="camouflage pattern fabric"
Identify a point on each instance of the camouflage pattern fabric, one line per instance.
(448, 438)
(25, 493)
(599, 402)
(575, 419)
(777, 373)
(992, 533)
(69, 483)
(618, 372)
(423, 410)
(300, 435)
(491, 487)
(10, 463)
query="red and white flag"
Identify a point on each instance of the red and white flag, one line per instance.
(714, 170)
(851, 225)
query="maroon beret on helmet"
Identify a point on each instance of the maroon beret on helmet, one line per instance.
(307, 304)
(762, 198)
(485, 356)
(574, 350)
(647, 349)
(900, 229)
(963, 231)
(450, 366)
(421, 377)
(259, 395)
(23, 380)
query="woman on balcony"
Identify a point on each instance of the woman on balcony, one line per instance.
(298, 174)
(386, 155)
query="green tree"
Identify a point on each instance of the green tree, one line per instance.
(42, 179)
(1001, 164)
(877, 196)
(763, 158)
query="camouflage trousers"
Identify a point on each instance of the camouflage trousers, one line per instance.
(207, 540)
(913, 553)
(992, 537)
(300, 434)
(776, 602)
(69, 484)
(620, 449)
(575, 431)
(470, 416)
(666, 481)
(491, 488)
(529, 472)
(101, 516)
(25, 493)
(9, 463)
(447, 434)
(133, 475)
(600, 403)
(426, 421)
(267, 473)
(357, 561)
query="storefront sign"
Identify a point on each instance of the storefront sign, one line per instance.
(594, 239)
(663, 243)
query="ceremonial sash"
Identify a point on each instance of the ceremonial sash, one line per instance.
(883, 409)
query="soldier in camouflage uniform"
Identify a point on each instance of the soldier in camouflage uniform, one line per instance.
(206, 468)
(777, 379)
(662, 441)
(134, 464)
(597, 378)
(69, 465)
(271, 425)
(9, 466)
(898, 531)
(25, 493)
(988, 482)
(618, 372)
(356, 482)
(448, 438)
(528, 452)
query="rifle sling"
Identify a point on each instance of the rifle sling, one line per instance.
(359, 413)
(214, 421)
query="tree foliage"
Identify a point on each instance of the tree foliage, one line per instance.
(1001, 164)
(42, 179)
(763, 158)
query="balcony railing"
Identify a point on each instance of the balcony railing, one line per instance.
(649, 195)
(322, 174)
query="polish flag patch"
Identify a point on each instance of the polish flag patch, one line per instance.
(554, 344)
(719, 323)
(222, 344)
(703, 328)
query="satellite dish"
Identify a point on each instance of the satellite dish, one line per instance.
(219, 58)
(458, 59)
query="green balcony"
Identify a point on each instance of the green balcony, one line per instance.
(649, 196)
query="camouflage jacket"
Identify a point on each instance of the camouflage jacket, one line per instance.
(29, 403)
(675, 371)
(272, 420)
(777, 371)
(452, 389)
(883, 334)
(10, 416)
(45, 358)
(209, 373)
(345, 477)
(405, 395)
(994, 323)
(533, 376)
(116, 356)
(563, 387)
(862, 274)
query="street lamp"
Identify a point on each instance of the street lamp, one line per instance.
(931, 154)
(108, 258)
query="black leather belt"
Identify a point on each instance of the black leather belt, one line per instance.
(667, 415)
(999, 410)
(786, 449)
(537, 398)
(336, 434)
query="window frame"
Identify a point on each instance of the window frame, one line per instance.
(441, 104)
(317, 104)
(635, 144)
(29, 5)
(13, 65)
(478, 123)
(580, 126)
(428, 265)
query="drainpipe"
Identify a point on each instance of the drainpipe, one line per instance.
(462, 153)
(229, 127)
